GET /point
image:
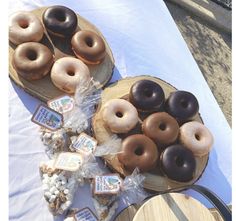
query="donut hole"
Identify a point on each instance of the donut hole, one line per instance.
(31, 55)
(197, 137)
(23, 24)
(179, 161)
(89, 42)
(60, 17)
(139, 151)
(147, 92)
(184, 103)
(119, 114)
(71, 73)
(162, 126)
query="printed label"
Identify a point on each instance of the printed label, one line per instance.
(62, 104)
(107, 184)
(85, 143)
(47, 117)
(85, 215)
(68, 161)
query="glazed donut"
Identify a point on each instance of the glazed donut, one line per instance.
(32, 60)
(25, 27)
(119, 115)
(60, 21)
(138, 151)
(88, 46)
(68, 73)
(182, 105)
(147, 95)
(161, 128)
(178, 163)
(196, 137)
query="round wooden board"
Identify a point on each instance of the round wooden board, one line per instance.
(173, 207)
(154, 181)
(44, 88)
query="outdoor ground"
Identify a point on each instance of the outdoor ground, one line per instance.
(211, 49)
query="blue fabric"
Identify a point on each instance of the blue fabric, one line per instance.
(144, 40)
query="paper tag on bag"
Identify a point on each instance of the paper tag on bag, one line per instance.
(47, 117)
(62, 104)
(107, 184)
(85, 214)
(68, 161)
(85, 143)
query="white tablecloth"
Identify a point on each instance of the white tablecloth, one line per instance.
(144, 40)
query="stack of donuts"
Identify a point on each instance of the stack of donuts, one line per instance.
(158, 131)
(32, 60)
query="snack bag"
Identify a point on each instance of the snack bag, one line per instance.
(58, 186)
(108, 189)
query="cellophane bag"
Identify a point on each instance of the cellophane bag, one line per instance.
(108, 189)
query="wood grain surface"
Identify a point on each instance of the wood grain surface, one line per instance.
(44, 88)
(154, 181)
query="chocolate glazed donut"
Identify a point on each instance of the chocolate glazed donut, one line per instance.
(147, 95)
(178, 163)
(88, 46)
(60, 21)
(182, 105)
(138, 151)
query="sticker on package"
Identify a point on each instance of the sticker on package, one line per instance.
(62, 104)
(47, 117)
(107, 184)
(85, 143)
(68, 161)
(85, 215)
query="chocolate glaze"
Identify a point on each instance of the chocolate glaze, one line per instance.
(88, 46)
(161, 128)
(178, 163)
(60, 20)
(32, 60)
(138, 151)
(147, 95)
(182, 105)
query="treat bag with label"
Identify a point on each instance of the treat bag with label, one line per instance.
(87, 145)
(86, 98)
(89, 169)
(58, 187)
(55, 141)
(108, 189)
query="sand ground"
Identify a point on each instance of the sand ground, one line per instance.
(211, 49)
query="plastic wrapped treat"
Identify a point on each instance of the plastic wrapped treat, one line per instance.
(84, 214)
(87, 145)
(55, 141)
(107, 190)
(86, 98)
(58, 186)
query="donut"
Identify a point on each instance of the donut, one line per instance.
(25, 27)
(68, 73)
(196, 137)
(147, 95)
(88, 46)
(138, 151)
(182, 105)
(60, 21)
(119, 115)
(32, 60)
(178, 163)
(162, 128)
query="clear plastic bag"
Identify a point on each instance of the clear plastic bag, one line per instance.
(86, 98)
(59, 187)
(130, 191)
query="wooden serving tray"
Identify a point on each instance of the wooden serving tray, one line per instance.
(154, 181)
(44, 88)
(173, 207)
